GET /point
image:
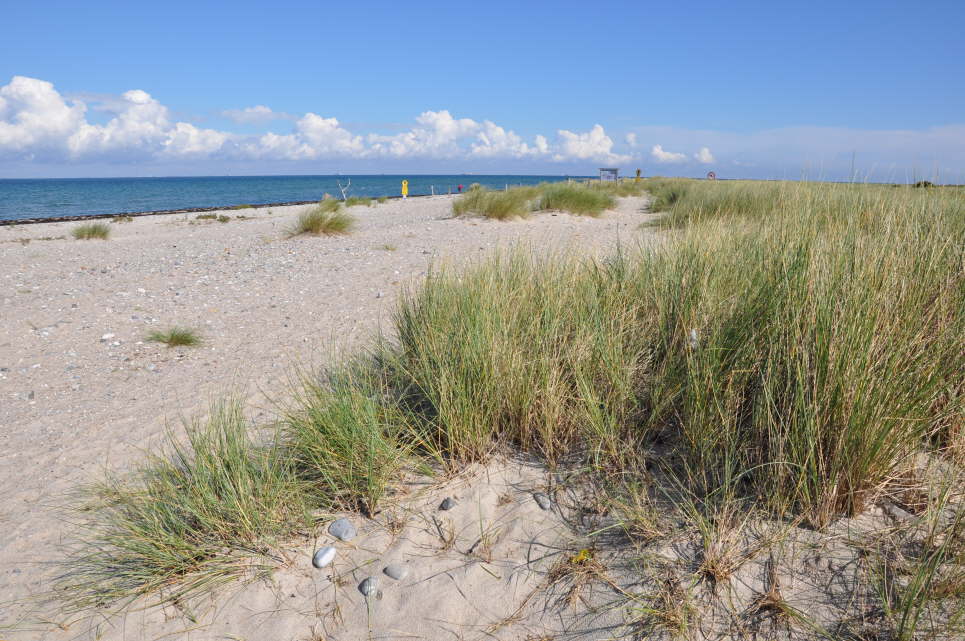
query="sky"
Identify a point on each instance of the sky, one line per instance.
(816, 90)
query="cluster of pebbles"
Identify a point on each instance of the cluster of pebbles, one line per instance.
(344, 530)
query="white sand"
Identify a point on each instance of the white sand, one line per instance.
(81, 391)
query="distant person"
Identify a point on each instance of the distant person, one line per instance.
(459, 188)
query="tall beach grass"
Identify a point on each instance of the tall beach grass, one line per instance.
(793, 345)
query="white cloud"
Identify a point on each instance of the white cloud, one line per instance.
(592, 145)
(493, 140)
(704, 156)
(35, 119)
(435, 135)
(40, 125)
(662, 156)
(255, 115)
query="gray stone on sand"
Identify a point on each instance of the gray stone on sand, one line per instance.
(323, 556)
(542, 500)
(369, 586)
(342, 529)
(447, 504)
(397, 571)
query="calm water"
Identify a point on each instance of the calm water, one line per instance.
(54, 197)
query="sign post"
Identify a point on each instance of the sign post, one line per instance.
(405, 189)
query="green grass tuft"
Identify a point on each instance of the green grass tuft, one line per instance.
(355, 201)
(175, 337)
(324, 219)
(91, 231)
(788, 350)
(173, 527)
(576, 199)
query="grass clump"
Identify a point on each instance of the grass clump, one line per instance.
(172, 529)
(499, 205)
(355, 201)
(382, 200)
(789, 350)
(576, 199)
(346, 444)
(91, 231)
(520, 202)
(175, 337)
(324, 219)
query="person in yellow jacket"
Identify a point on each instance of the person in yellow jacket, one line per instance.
(405, 189)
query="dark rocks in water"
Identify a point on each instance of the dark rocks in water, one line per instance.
(447, 504)
(342, 529)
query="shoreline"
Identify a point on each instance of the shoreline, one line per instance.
(166, 212)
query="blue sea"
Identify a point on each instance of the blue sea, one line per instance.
(60, 197)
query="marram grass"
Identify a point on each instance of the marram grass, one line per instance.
(325, 219)
(175, 337)
(520, 202)
(793, 357)
(91, 231)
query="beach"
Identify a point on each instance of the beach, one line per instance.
(83, 392)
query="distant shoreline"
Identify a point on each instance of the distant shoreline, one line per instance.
(165, 212)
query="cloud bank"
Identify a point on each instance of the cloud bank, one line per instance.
(38, 124)
(43, 132)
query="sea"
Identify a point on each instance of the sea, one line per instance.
(45, 198)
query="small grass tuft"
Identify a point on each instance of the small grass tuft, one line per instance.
(91, 231)
(175, 337)
(325, 219)
(356, 201)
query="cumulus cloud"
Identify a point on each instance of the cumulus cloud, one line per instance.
(704, 156)
(592, 145)
(492, 140)
(661, 156)
(35, 119)
(38, 123)
(255, 115)
(435, 135)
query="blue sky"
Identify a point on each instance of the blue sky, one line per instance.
(747, 90)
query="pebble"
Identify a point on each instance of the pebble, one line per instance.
(342, 529)
(323, 557)
(447, 504)
(397, 571)
(542, 500)
(369, 586)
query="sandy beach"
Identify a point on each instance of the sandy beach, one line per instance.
(82, 391)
